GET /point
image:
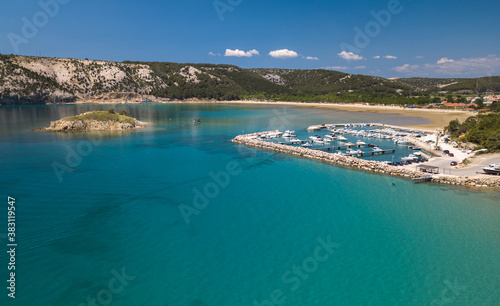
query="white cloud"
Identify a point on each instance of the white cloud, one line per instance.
(350, 56)
(385, 56)
(406, 68)
(360, 67)
(445, 60)
(283, 53)
(213, 54)
(479, 66)
(419, 56)
(336, 68)
(240, 53)
(311, 58)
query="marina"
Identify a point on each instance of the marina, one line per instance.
(407, 147)
(365, 140)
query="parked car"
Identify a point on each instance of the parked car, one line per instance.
(446, 151)
(453, 163)
(451, 155)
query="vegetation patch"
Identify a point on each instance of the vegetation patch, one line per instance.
(110, 115)
(483, 130)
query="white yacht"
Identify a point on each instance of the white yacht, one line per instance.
(307, 145)
(492, 169)
(360, 143)
(400, 141)
(341, 138)
(289, 134)
(355, 152)
(410, 157)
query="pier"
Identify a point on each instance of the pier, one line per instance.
(364, 165)
(367, 153)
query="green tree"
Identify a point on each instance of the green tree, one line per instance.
(453, 126)
(480, 103)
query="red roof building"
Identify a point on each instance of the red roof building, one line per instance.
(455, 105)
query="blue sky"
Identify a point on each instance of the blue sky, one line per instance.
(408, 38)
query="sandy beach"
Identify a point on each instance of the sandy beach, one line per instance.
(439, 118)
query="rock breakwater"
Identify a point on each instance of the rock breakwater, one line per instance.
(361, 164)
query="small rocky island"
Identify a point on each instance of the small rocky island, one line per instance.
(96, 121)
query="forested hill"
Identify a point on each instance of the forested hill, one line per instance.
(36, 80)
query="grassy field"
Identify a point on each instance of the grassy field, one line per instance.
(103, 116)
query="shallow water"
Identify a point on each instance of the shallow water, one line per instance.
(252, 234)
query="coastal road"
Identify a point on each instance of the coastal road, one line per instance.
(475, 168)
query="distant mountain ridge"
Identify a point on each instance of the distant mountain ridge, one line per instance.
(38, 80)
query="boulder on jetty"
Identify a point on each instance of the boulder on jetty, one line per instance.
(95, 121)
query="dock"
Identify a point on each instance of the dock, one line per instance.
(367, 153)
(425, 178)
(288, 143)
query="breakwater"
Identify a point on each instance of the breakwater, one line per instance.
(361, 164)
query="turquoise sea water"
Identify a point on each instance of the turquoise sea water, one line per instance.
(255, 237)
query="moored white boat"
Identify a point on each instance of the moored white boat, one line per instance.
(410, 157)
(492, 169)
